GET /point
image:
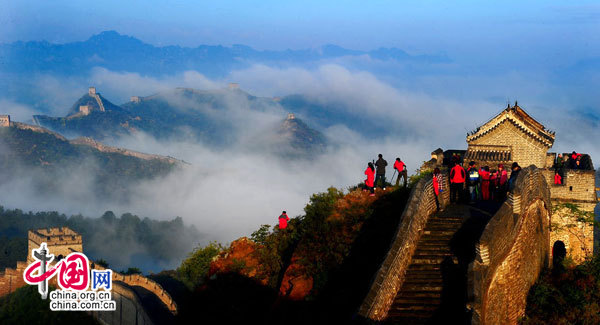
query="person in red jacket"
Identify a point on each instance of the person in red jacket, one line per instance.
(457, 182)
(370, 181)
(438, 186)
(502, 183)
(485, 182)
(400, 166)
(283, 220)
(557, 178)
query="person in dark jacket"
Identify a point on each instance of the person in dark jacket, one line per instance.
(513, 176)
(400, 166)
(473, 181)
(559, 167)
(283, 220)
(370, 181)
(457, 182)
(380, 164)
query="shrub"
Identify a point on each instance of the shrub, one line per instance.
(194, 268)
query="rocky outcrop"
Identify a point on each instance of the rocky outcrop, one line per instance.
(296, 285)
(240, 257)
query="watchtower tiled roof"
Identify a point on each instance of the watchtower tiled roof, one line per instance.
(519, 118)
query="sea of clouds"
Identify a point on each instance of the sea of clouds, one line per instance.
(230, 191)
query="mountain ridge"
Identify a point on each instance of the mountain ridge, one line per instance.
(114, 51)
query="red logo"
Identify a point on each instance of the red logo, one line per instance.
(73, 271)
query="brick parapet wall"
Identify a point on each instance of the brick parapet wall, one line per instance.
(511, 252)
(579, 185)
(390, 276)
(148, 284)
(129, 308)
(12, 279)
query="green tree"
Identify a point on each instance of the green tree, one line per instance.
(194, 268)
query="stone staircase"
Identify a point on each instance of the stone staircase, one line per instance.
(421, 293)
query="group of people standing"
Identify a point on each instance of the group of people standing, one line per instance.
(572, 161)
(479, 183)
(376, 173)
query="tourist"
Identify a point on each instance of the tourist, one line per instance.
(438, 186)
(578, 164)
(513, 176)
(493, 184)
(381, 163)
(502, 183)
(472, 180)
(559, 165)
(283, 220)
(400, 166)
(557, 178)
(457, 182)
(484, 173)
(369, 182)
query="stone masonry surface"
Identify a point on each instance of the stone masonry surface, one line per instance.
(389, 278)
(511, 253)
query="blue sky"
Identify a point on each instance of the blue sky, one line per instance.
(459, 27)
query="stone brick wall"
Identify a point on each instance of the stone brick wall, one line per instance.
(511, 252)
(524, 149)
(389, 278)
(579, 185)
(60, 241)
(12, 279)
(129, 309)
(148, 284)
(579, 189)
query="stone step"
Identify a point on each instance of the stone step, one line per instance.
(414, 307)
(433, 243)
(442, 227)
(419, 294)
(428, 267)
(429, 260)
(445, 220)
(424, 281)
(432, 251)
(411, 319)
(437, 300)
(409, 287)
(423, 273)
(436, 237)
(439, 233)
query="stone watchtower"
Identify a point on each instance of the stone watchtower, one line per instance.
(514, 136)
(511, 136)
(61, 241)
(5, 120)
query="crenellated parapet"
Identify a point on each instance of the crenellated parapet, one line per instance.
(391, 275)
(512, 251)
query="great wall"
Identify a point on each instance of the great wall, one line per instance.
(86, 141)
(131, 307)
(516, 243)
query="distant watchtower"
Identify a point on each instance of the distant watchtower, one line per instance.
(92, 91)
(5, 120)
(135, 99)
(291, 116)
(61, 241)
(234, 85)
